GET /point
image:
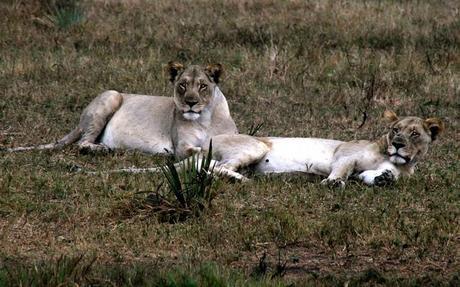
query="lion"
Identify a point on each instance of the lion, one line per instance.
(379, 162)
(154, 124)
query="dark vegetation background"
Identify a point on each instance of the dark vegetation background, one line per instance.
(302, 68)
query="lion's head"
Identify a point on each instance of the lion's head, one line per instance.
(193, 87)
(409, 137)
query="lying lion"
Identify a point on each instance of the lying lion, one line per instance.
(377, 162)
(197, 111)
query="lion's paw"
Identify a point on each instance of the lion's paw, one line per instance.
(386, 178)
(333, 183)
(377, 177)
(194, 150)
(87, 148)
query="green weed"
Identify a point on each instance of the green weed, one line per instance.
(64, 14)
(190, 184)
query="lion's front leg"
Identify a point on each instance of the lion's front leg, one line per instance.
(184, 149)
(377, 177)
(385, 174)
(341, 169)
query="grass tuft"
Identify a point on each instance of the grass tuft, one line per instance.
(65, 271)
(190, 187)
(64, 14)
(254, 129)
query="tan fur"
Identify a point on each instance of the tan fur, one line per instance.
(266, 142)
(237, 151)
(180, 124)
(390, 116)
(402, 147)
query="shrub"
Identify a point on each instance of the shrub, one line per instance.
(63, 13)
(190, 187)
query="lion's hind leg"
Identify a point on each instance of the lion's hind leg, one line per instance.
(185, 164)
(234, 152)
(92, 122)
(215, 165)
(95, 117)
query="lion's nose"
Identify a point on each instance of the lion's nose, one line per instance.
(191, 103)
(398, 145)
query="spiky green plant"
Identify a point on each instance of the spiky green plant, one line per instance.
(65, 13)
(254, 129)
(190, 183)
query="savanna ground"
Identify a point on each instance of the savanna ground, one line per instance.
(302, 68)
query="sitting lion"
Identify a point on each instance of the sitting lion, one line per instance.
(180, 124)
(377, 162)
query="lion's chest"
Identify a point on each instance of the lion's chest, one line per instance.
(188, 136)
(368, 159)
(195, 136)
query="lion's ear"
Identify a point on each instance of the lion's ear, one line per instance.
(174, 68)
(390, 116)
(214, 71)
(436, 127)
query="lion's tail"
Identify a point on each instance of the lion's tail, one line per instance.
(69, 138)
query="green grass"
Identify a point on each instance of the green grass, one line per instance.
(302, 68)
(82, 271)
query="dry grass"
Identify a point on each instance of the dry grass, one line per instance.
(302, 68)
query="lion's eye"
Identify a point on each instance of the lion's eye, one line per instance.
(395, 130)
(414, 134)
(182, 86)
(203, 87)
